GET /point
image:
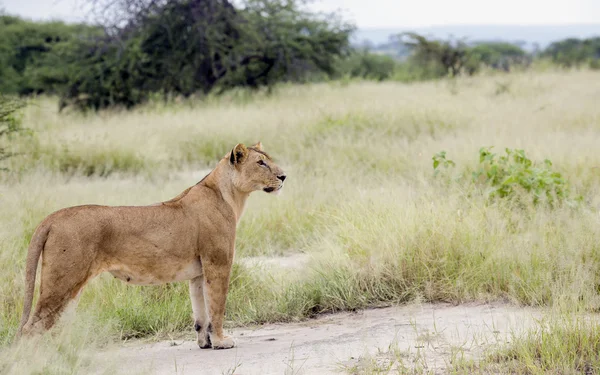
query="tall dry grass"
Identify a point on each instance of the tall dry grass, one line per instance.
(361, 200)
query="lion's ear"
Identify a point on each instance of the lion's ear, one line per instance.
(238, 154)
(258, 146)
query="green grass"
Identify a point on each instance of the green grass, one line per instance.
(563, 345)
(361, 199)
(567, 347)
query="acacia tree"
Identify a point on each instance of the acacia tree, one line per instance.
(188, 46)
(451, 57)
(282, 42)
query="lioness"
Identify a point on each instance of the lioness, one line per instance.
(190, 237)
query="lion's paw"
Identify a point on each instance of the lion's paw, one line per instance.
(204, 341)
(227, 342)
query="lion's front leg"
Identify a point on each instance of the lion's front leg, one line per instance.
(201, 320)
(217, 285)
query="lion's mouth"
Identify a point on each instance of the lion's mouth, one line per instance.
(272, 189)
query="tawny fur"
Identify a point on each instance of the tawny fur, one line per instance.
(190, 237)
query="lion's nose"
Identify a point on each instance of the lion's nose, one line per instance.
(282, 177)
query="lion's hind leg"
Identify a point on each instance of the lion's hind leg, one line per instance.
(59, 286)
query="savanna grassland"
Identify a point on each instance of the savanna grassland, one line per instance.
(361, 201)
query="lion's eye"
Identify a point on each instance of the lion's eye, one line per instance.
(260, 162)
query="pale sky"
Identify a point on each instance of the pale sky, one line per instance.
(390, 13)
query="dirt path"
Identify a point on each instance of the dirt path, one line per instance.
(429, 336)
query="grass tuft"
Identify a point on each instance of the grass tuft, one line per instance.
(563, 345)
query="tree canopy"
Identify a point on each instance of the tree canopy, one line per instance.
(30, 58)
(184, 47)
(574, 52)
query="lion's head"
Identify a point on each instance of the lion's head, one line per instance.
(255, 170)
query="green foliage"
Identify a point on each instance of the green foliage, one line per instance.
(443, 57)
(574, 52)
(103, 74)
(292, 42)
(365, 65)
(498, 55)
(439, 159)
(513, 171)
(180, 48)
(189, 46)
(511, 175)
(9, 115)
(432, 59)
(10, 121)
(30, 55)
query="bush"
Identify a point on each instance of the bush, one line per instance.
(10, 122)
(510, 175)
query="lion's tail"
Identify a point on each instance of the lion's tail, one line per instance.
(33, 255)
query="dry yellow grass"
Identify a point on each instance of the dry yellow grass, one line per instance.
(361, 198)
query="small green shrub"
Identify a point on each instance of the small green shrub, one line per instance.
(508, 173)
(439, 159)
(508, 176)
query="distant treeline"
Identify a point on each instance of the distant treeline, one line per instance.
(186, 47)
(412, 57)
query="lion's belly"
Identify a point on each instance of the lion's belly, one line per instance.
(159, 275)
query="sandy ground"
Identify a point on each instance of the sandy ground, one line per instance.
(426, 336)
